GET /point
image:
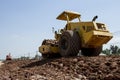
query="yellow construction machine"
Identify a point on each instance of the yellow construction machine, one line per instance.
(85, 37)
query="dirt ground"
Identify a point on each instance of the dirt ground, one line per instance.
(74, 68)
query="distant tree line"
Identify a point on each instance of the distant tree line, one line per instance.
(36, 57)
(26, 58)
(113, 50)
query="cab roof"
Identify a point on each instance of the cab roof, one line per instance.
(71, 15)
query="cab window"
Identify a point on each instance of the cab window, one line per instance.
(101, 26)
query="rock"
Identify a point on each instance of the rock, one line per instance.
(37, 77)
(61, 65)
(109, 77)
(1, 63)
(75, 60)
(80, 77)
(107, 63)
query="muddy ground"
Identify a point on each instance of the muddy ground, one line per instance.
(74, 68)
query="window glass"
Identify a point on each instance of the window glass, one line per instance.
(101, 26)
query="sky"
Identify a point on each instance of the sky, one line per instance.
(24, 24)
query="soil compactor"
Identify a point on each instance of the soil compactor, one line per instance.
(85, 37)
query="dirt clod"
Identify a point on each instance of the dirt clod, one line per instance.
(72, 68)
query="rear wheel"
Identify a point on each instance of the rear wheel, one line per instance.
(91, 51)
(69, 43)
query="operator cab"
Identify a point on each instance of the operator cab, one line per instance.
(70, 15)
(89, 26)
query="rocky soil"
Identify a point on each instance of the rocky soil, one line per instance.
(72, 68)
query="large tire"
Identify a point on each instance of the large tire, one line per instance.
(91, 51)
(69, 43)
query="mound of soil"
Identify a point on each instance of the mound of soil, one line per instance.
(72, 68)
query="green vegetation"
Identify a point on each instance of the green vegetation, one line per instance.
(113, 50)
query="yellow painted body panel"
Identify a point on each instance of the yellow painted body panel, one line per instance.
(57, 36)
(44, 49)
(96, 38)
